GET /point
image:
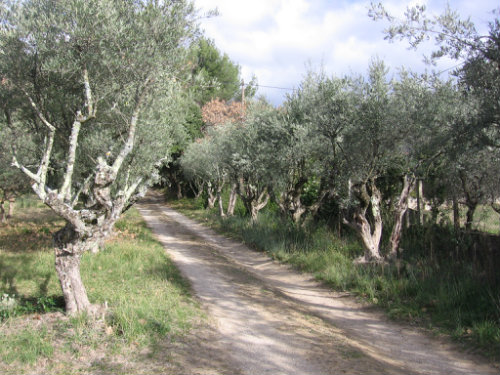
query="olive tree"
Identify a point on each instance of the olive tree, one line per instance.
(426, 110)
(314, 126)
(257, 160)
(99, 78)
(203, 161)
(478, 75)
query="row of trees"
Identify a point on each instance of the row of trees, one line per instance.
(98, 98)
(97, 95)
(363, 143)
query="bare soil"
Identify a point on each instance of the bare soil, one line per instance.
(268, 318)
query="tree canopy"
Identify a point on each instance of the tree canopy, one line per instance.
(94, 85)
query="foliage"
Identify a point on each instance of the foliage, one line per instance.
(99, 38)
(218, 74)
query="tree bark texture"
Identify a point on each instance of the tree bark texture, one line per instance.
(399, 213)
(290, 204)
(68, 252)
(370, 232)
(232, 200)
(212, 197)
(12, 202)
(220, 204)
(257, 205)
(254, 204)
(254, 198)
(2, 212)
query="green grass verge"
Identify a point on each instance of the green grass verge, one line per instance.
(451, 297)
(149, 302)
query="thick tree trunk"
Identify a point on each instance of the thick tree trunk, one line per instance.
(221, 206)
(259, 204)
(179, 191)
(290, 204)
(212, 196)
(232, 200)
(399, 213)
(2, 212)
(419, 203)
(471, 209)
(369, 197)
(68, 252)
(370, 240)
(12, 202)
(254, 205)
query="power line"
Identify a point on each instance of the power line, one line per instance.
(220, 84)
(274, 87)
(453, 67)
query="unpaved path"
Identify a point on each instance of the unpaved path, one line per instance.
(273, 320)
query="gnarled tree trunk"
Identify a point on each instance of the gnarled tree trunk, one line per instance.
(369, 198)
(258, 204)
(2, 212)
(399, 213)
(290, 204)
(212, 196)
(253, 199)
(232, 199)
(69, 249)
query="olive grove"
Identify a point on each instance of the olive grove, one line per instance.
(366, 144)
(360, 142)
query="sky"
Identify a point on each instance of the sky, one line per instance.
(278, 41)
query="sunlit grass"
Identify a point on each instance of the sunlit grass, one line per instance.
(148, 300)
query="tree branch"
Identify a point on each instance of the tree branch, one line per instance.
(129, 144)
(132, 188)
(39, 113)
(44, 164)
(91, 109)
(73, 141)
(68, 176)
(26, 171)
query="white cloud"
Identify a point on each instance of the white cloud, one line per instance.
(275, 39)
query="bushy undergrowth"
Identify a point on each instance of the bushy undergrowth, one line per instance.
(423, 288)
(148, 299)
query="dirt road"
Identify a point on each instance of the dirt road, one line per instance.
(269, 319)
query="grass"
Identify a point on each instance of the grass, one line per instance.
(26, 346)
(149, 302)
(435, 291)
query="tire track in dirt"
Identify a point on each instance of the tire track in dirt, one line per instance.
(271, 319)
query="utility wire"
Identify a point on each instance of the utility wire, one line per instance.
(208, 86)
(453, 67)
